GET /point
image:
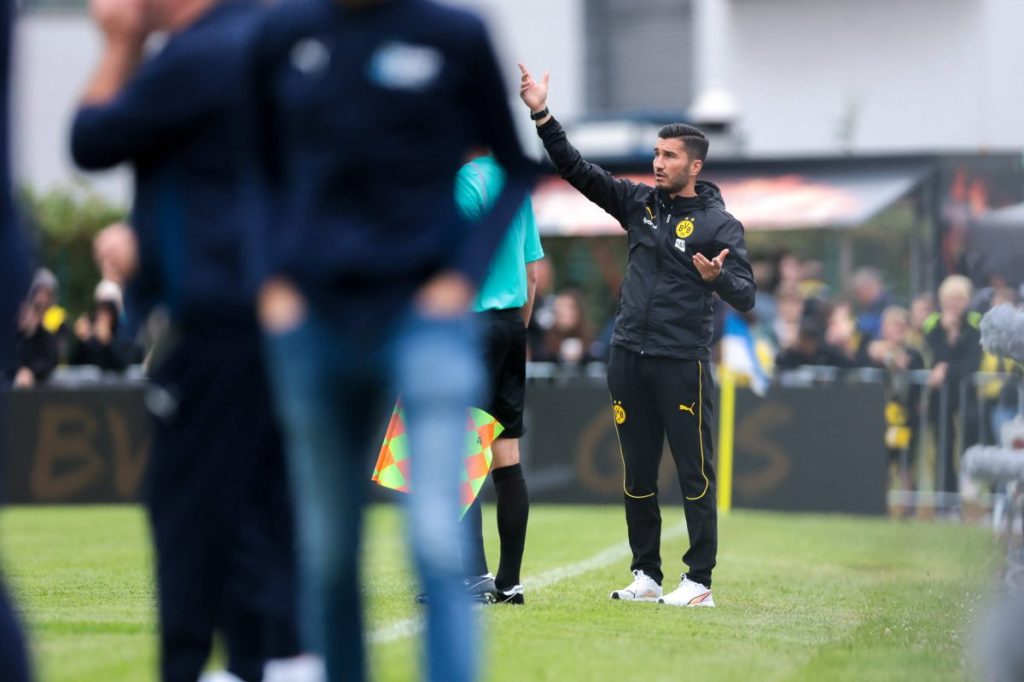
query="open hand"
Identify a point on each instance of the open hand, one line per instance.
(710, 269)
(281, 306)
(533, 94)
(447, 294)
(24, 378)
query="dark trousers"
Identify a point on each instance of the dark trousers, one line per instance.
(219, 509)
(13, 657)
(653, 398)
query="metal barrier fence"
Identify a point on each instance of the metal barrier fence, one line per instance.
(946, 421)
(940, 425)
(816, 443)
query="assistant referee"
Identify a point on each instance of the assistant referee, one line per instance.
(683, 249)
(503, 305)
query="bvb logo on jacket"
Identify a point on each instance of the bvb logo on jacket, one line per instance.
(684, 228)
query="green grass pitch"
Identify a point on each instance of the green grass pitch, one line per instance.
(799, 598)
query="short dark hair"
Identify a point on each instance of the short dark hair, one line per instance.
(694, 141)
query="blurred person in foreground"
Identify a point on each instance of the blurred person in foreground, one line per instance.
(953, 352)
(215, 485)
(503, 307)
(14, 281)
(684, 248)
(368, 109)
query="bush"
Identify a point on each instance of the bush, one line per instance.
(61, 224)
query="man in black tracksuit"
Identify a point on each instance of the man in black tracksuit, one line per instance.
(683, 248)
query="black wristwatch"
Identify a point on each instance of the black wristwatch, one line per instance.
(538, 115)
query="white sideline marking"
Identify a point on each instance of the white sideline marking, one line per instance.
(410, 627)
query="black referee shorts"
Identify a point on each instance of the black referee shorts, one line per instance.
(504, 339)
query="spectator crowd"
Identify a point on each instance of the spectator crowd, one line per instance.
(928, 349)
(48, 341)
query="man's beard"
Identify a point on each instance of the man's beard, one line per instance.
(673, 187)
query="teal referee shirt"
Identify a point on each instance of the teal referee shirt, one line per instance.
(477, 185)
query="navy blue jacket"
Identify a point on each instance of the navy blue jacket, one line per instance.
(13, 265)
(176, 122)
(367, 115)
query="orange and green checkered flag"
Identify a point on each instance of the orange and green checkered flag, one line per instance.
(392, 469)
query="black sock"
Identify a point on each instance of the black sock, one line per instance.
(474, 561)
(513, 513)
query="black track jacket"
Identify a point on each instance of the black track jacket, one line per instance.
(665, 306)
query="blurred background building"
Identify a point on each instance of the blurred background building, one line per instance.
(793, 76)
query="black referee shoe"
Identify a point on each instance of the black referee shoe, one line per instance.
(513, 595)
(481, 589)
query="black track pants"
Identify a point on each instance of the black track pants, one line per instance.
(653, 398)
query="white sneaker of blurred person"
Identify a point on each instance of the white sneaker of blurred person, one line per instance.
(219, 676)
(305, 668)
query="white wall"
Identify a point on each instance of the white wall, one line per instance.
(54, 55)
(921, 74)
(546, 35)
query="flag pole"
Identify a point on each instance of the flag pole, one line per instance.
(726, 430)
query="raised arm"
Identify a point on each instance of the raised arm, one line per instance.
(131, 107)
(485, 100)
(597, 184)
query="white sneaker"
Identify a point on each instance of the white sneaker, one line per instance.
(689, 593)
(643, 588)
